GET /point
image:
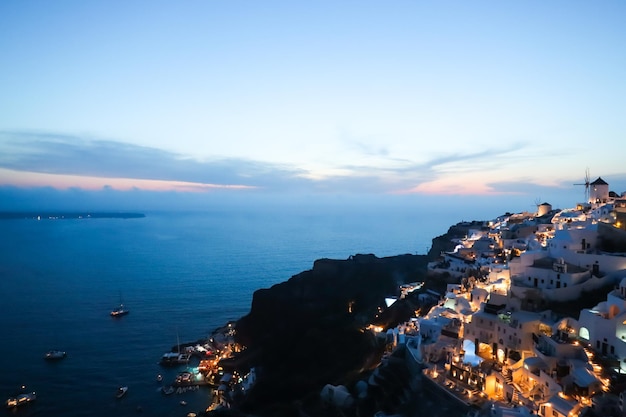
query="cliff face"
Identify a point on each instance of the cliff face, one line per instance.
(306, 332)
(444, 243)
(611, 239)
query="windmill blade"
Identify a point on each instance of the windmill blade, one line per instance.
(587, 184)
(587, 193)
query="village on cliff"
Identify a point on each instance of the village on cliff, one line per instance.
(492, 343)
(532, 322)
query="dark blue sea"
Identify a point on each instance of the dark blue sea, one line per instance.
(181, 274)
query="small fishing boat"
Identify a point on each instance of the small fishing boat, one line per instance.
(55, 355)
(121, 391)
(184, 378)
(159, 378)
(21, 399)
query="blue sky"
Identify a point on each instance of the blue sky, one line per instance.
(344, 98)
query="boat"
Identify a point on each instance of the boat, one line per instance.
(53, 355)
(183, 402)
(121, 391)
(120, 310)
(184, 378)
(21, 399)
(174, 358)
(159, 378)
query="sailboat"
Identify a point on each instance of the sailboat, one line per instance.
(175, 358)
(120, 310)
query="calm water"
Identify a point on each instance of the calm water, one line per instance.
(181, 274)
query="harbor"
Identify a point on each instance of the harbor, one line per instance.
(202, 369)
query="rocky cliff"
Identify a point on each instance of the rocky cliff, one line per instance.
(308, 331)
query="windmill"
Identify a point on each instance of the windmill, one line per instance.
(537, 204)
(586, 184)
(542, 208)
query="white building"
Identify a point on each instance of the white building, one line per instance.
(570, 264)
(559, 406)
(502, 331)
(599, 191)
(604, 326)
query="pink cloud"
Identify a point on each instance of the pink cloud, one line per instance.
(33, 179)
(452, 186)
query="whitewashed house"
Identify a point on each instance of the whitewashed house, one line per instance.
(560, 406)
(503, 331)
(570, 264)
(604, 326)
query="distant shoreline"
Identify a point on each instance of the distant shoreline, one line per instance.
(60, 215)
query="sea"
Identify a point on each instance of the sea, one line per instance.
(181, 274)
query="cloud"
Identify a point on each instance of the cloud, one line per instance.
(446, 173)
(38, 159)
(68, 161)
(66, 155)
(363, 145)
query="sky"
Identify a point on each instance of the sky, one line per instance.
(196, 99)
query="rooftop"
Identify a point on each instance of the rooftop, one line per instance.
(548, 263)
